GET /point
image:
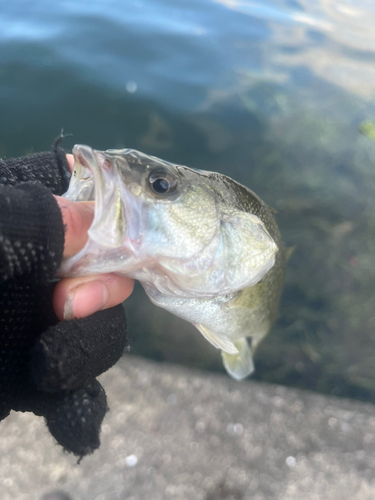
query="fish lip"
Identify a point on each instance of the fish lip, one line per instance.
(83, 154)
(87, 156)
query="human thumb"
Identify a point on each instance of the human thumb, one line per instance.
(77, 219)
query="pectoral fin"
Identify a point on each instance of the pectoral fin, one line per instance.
(239, 365)
(223, 343)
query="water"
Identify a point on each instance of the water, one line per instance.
(279, 95)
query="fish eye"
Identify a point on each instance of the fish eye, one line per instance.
(162, 182)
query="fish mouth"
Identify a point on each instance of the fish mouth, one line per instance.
(110, 246)
(91, 169)
(91, 159)
(91, 164)
(84, 155)
(96, 177)
(81, 186)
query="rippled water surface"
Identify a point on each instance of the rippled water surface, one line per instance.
(279, 95)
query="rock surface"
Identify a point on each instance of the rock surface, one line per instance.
(179, 434)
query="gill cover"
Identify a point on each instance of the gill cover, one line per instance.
(237, 255)
(248, 249)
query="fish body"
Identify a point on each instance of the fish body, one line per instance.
(203, 246)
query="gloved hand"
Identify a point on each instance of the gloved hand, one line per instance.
(49, 367)
(46, 366)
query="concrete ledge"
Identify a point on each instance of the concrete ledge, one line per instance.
(179, 434)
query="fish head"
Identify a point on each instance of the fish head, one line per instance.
(147, 208)
(167, 225)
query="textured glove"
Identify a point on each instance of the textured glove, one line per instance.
(48, 367)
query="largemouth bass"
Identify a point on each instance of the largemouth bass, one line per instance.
(203, 246)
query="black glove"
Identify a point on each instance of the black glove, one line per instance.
(48, 367)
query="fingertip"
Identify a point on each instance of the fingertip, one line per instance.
(81, 297)
(70, 160)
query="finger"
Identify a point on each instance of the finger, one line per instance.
(77, 219)
(68, 354)
(81, 297)
(70, 160)
(74, 418)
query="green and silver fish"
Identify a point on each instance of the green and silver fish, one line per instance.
(203, 246)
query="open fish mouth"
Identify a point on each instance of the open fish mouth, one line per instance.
(92, 171)
(96, 178)
(114, 232)
(81, 187)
